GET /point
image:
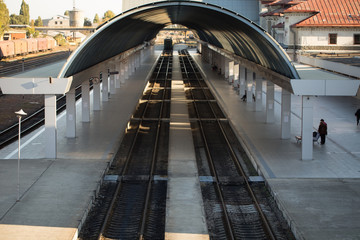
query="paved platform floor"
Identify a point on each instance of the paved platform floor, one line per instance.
(185, 216)
(320, 198)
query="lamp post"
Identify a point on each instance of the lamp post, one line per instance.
(19, 115)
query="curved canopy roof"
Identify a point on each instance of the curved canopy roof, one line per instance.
(212, 24)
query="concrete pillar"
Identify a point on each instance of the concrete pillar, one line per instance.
(270, 108)
(132, 64)
(226, 65)
(222, 67)
(122, 72)
(249, 85)
(307, 128)
(231, 72)
(236, 75)
(105, 86)
(285, 114)
(138, 59)
(258, 94)
(96, 96)
(85, 98)
(71, 114)
(242, 79)
(112, 81)
(127, 69)
(117, 76)
(50, 126)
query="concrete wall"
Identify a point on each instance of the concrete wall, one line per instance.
(320, 36)
(332, 66)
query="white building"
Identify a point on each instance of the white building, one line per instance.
(311, 25)
(57, 21)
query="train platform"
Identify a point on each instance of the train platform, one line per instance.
(319, 198)
(55, 194)
(185, 216)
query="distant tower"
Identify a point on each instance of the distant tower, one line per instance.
(76, 17)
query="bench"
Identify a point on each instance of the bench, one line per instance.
(315, 139)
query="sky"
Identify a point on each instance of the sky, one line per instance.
(49, 8)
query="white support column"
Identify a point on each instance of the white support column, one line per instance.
(222, 66)
(258, 94)
(242, 79)
(270, 108)
(226, 65)
(231, 72)
(138, 59)
(70, 114)
(285, 114)
(236, 75)
(249, 86)
(96, 96)
(132, 64)
(50, 126)
(105, 86)
(122, 72)
(127, 68)
(85, 98)
(117, 76)
(112, 81)
(307, 128)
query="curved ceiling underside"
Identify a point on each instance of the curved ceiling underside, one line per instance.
(212, 24)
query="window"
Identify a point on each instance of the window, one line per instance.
(356, 38)
(332, 38)
(55, 22)
(60, 22)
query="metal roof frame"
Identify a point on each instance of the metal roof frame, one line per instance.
(215, 25)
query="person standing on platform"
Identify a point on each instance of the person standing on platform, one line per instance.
(357, 114)
(322, 130)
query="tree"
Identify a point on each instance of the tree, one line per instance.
(30, 32)
(108, 15)
(4, 17)
(66, 13)
(96, 19)
(60, 40)
(38, 22)
(24, 11)
(16, 19)
(87, 22)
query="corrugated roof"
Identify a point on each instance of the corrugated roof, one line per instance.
(212, 24)
(344, 13)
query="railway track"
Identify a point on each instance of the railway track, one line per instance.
(132, 202)
(8, 68)
(138, 196)
(232, 208)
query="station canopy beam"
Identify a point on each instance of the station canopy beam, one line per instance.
(211, 24)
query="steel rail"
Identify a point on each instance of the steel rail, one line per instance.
(264, 220)
(223, 205)
(28, 63)
(125, 168)
(153, 160)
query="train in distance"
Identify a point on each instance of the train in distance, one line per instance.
(168, 45)
(21, 47)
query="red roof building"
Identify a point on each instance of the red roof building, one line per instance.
(313, 24)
